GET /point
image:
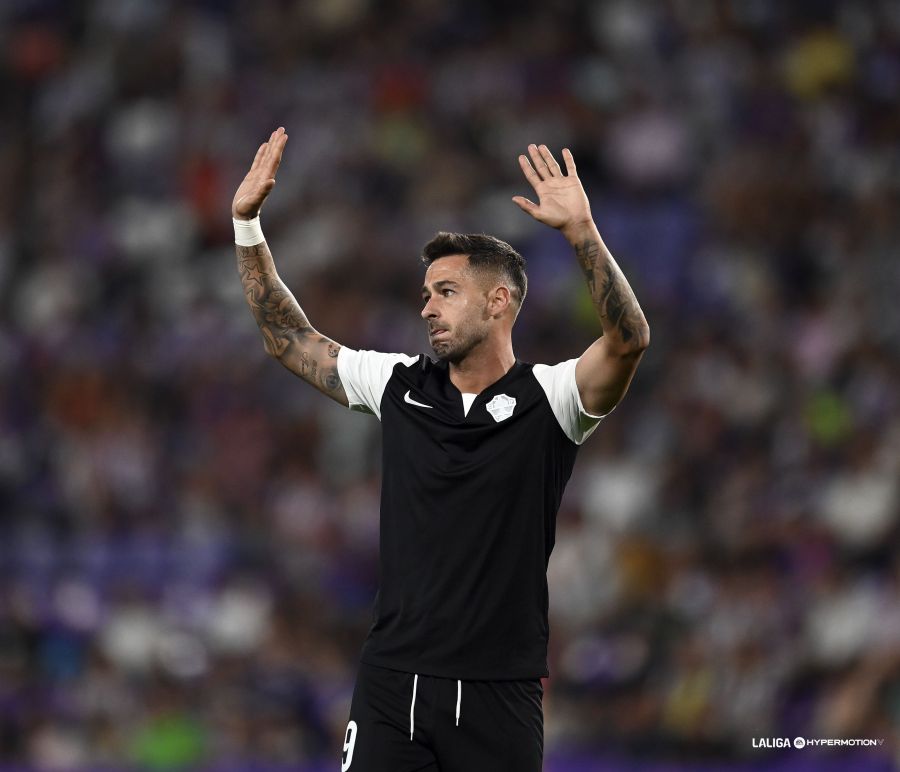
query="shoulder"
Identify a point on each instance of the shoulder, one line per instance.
(365, 374)
(561, 390)
(363, 358)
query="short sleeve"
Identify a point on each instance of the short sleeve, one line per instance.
(558, 383)
(364, 376)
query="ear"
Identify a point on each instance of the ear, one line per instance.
(499, 299)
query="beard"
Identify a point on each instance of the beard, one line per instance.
(457, 346)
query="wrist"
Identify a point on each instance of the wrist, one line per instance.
(577, 231)
(247, 233)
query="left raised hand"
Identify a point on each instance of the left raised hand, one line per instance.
(563, 203)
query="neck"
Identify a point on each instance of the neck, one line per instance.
(481, 367)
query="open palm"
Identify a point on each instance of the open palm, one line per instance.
(562, 199)
(260, 180)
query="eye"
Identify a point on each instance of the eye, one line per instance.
(445, 291)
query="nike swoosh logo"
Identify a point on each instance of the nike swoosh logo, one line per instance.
(407, 398)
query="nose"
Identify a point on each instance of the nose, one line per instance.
(429, 311)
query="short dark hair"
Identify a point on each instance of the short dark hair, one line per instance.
(485, 253)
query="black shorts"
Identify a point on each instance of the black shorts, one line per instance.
(403, 722)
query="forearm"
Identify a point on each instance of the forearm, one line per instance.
(278, 315)
(624, 324)
(288, 335)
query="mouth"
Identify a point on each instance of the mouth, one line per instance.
(438, 332)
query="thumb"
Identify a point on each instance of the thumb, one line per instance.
(525, 205)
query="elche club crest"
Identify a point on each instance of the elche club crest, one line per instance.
(501, 407)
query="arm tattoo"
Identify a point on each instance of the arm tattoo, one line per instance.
(287, 332)
(620, 314)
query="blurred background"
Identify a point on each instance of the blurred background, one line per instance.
(188, 543)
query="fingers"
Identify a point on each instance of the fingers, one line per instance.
(526, 205)
(258, 157)
(540, 164)
(570, 162)
(545, 165)
(530, 174)
(272, 159)
(548, 158)
(278, 151)
(268, 157)
(544, 162)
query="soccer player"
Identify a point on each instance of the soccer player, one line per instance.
(478, 447)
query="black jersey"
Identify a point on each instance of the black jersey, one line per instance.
(471, 485)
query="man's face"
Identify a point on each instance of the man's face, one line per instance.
(455, 307)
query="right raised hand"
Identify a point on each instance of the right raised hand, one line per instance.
(260, 179)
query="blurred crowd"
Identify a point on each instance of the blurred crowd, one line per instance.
(189, 534)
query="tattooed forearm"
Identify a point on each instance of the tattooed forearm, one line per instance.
(286, 331)
(277, 313)
(587, 253)
(620, 314)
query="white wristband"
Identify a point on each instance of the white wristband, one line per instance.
(247, 233)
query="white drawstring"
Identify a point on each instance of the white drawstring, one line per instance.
(412, 708)
(412, 705)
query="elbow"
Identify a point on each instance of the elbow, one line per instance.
(644, 338)
(275, 346)
(637, 341)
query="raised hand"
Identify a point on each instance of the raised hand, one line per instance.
(260, 179)
(563, 203)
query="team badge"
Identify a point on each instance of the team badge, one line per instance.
(501, 407)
